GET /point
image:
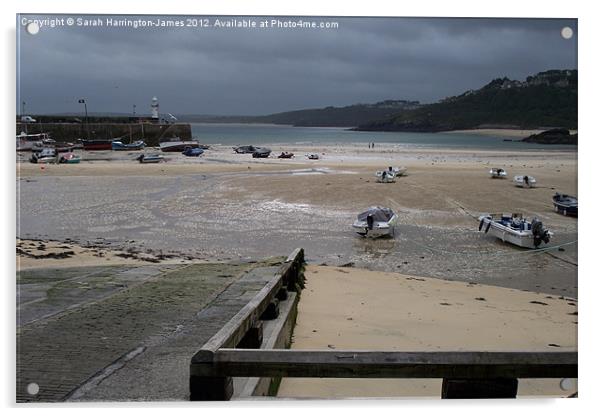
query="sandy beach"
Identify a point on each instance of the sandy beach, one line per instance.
(347, 308)
(226, 206)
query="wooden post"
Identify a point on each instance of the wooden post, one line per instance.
(272, 310)
(204, 388)
(496, 388)
(253, 338)
(211, 388)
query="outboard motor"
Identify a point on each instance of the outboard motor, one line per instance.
(370, 221)
(539, 233)
(383, 175)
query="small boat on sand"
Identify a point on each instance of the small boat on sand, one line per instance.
(285, 155)
(97, 144)
(193, 152)
(524, 181)
(155, 158)
(398, 171)
(175, 144)
(515, 229)
(376, 222)
(119, 145)
(565, 204)
(69, 158)
(244, 149)
(385, 176)
(497, 173)
(46, 155)
(313, 156)
(261, 152)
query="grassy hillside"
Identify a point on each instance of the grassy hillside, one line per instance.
(548, 99)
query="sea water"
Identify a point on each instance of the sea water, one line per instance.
(266, 134)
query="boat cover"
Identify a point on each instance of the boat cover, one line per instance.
(378, 213)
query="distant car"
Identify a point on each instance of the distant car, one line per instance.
(27, 119)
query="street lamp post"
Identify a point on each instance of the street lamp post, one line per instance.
(83, 101)
(22, 114)
(134, 112)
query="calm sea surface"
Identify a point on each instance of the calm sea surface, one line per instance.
(265, 134)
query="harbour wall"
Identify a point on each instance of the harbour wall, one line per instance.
(71, 132)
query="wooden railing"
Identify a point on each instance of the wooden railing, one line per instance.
(465, 374)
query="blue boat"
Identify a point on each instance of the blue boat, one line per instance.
(194, 152)
(565, 204)
(119, 145)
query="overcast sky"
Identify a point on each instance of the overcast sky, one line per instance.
(266, 70)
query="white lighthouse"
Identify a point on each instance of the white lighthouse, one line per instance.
(155, 109)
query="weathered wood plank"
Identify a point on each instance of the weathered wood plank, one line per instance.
(233, 331)
(387, 364)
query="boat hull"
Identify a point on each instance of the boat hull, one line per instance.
(568, 210)
(520, 238)
(379, 229)
(177, 146)
(96, 144)
(520, 182)
(132, 146)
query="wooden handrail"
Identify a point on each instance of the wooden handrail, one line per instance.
(385, 364)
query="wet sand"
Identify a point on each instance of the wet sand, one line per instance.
(226, 206)
(347, 308)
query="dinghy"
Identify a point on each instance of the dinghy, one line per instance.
(376, 222)
(245, 149)
(286, 155)
(398, 171)
(385, 176)
(565, 204)
(193, 152)
(69, 158)
(150, 158)
(497, 173)
(46, 155)
(261, 152)
(515, 229)
(313, 156)
(119, 145)
(524, 181)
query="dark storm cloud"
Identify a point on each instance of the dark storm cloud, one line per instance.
(246, 71)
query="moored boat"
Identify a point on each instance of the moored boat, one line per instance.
(97, 144)
(376, 222)
(245, 149)
(524, 181)
(285, 155)
(46, 155)
(26, 142)
(154, 158)
(385, 176)
(515, 229)
(119, 145)
(261, 152)
(497, 173)
(313, 156)
(177, 145)
(565, 204)
(69, 158)
(193, 152)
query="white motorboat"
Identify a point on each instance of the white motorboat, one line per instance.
(524, 181)
(177, 145)
(515, 229)
(154, 158)
(46, 155)
(399, 171)
(385, 176)
(376, 222)
(497, 173)
(313, 156)
(27, 142)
